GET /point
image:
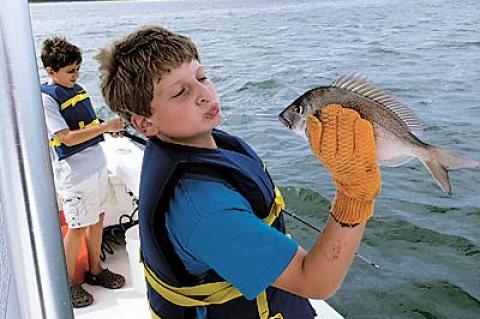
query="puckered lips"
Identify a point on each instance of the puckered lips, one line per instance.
(213, 111)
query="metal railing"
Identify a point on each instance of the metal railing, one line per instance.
(27, 195)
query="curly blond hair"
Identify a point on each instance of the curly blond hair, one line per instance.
(130, 67)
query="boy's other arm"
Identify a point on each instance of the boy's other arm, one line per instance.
(74, 137)
(345, 145)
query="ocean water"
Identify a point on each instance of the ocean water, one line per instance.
(263, 54)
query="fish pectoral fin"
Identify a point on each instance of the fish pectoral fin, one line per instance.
(440, 175)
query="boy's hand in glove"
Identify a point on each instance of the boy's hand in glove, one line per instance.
(344, 143)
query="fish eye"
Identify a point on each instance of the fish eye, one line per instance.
(299, 109)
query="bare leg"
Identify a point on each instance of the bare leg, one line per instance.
(94, 243)
(72, 242)
(98, 276)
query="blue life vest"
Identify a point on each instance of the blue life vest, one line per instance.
(174, 293)
(77, 110)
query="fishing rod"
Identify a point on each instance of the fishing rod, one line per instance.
(131, 136)
(142, 141)
(134, 138)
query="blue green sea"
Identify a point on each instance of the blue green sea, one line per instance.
(262, 54)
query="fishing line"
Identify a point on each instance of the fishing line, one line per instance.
(362, 258)
(142, 141)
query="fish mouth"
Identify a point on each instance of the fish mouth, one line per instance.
(284, 121)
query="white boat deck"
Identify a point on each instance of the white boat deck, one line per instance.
(121, 303)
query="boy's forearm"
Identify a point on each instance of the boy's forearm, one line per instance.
(75, 137)
(319, 272)
(328, 262)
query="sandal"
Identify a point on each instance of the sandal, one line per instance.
(80, 297)
(106, 279)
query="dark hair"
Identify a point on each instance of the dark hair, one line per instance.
(57, 53)
(132, 65)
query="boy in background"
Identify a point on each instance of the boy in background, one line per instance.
(81, 176)
(212, 235)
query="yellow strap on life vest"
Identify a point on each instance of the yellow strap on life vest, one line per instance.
(74, 100)
(262, 306)
(55, 142)
(277, 207)
(207, 294)
(82, 125)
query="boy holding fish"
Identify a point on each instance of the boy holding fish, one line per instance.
(81, 175)
(212, 235)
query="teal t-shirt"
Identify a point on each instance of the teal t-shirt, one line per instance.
(213, 227)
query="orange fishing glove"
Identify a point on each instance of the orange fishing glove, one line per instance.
(345, 145)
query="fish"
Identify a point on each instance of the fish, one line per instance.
(397, 129)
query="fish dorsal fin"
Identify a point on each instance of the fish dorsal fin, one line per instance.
(362, 86)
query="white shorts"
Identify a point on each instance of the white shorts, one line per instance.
(83, 203)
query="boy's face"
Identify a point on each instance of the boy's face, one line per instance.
(66, 76)
(185, 106)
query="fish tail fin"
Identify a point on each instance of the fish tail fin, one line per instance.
(440, 174)
(441, 161)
